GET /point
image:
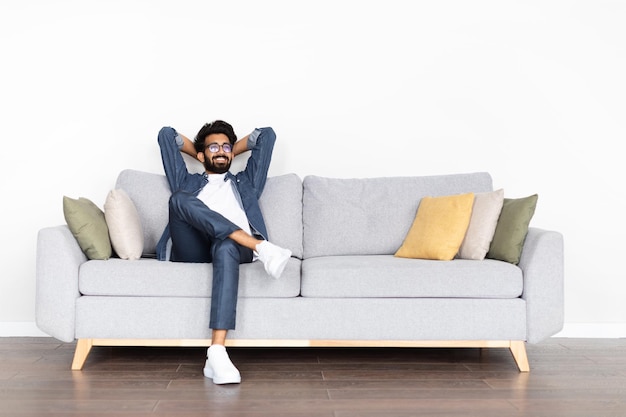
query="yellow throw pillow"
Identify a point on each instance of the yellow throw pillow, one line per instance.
(439, 227)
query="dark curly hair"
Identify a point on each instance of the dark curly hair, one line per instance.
(217, 126)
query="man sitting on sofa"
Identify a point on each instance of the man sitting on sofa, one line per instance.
(215, 217)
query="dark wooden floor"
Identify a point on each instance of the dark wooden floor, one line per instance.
(569, 377)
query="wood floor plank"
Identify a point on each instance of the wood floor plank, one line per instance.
(366, 405)
(76, 406)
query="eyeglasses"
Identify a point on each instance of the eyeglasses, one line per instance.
(215, 147)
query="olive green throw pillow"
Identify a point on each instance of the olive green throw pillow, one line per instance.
(512, 228)
(87, 223)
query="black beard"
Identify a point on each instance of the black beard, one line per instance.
(216, 169)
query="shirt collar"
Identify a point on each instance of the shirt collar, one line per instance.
(216, 178)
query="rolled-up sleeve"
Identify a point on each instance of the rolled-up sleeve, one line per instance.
(179, 141)
(252, 138)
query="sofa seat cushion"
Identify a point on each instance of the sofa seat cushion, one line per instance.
(152, 278)
(375, 276)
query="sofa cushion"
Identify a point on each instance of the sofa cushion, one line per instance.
(281, 204)
(439, 227)
(152, 278)
(376, 276)
(371, 216)
(150, 193)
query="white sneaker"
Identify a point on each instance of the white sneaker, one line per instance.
(219, 368)
(274, 258)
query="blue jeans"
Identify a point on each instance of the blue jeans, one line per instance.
(200, 234)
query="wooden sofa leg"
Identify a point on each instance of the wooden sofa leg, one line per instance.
(83, 347)
(518, 349)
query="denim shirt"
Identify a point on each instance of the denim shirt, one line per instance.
(248, 184)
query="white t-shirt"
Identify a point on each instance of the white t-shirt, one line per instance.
(219, 196)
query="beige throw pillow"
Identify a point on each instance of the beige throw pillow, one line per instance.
(485, 213)
(125, 228)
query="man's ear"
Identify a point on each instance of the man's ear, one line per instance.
(200, 156)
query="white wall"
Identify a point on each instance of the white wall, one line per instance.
(533, 92)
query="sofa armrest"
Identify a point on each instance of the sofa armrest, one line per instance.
(58, 260)
(542, 263)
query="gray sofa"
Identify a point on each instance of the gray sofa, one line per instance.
(342, 286)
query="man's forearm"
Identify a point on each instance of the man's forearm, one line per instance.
(240, 146)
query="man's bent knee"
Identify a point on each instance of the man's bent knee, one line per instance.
(178, 199)
(226, 249)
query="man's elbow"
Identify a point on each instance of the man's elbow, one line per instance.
(166, 133)
(268, 134)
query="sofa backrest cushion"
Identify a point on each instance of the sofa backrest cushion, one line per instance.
(371, 216)
(281, 204)
(150, 193)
